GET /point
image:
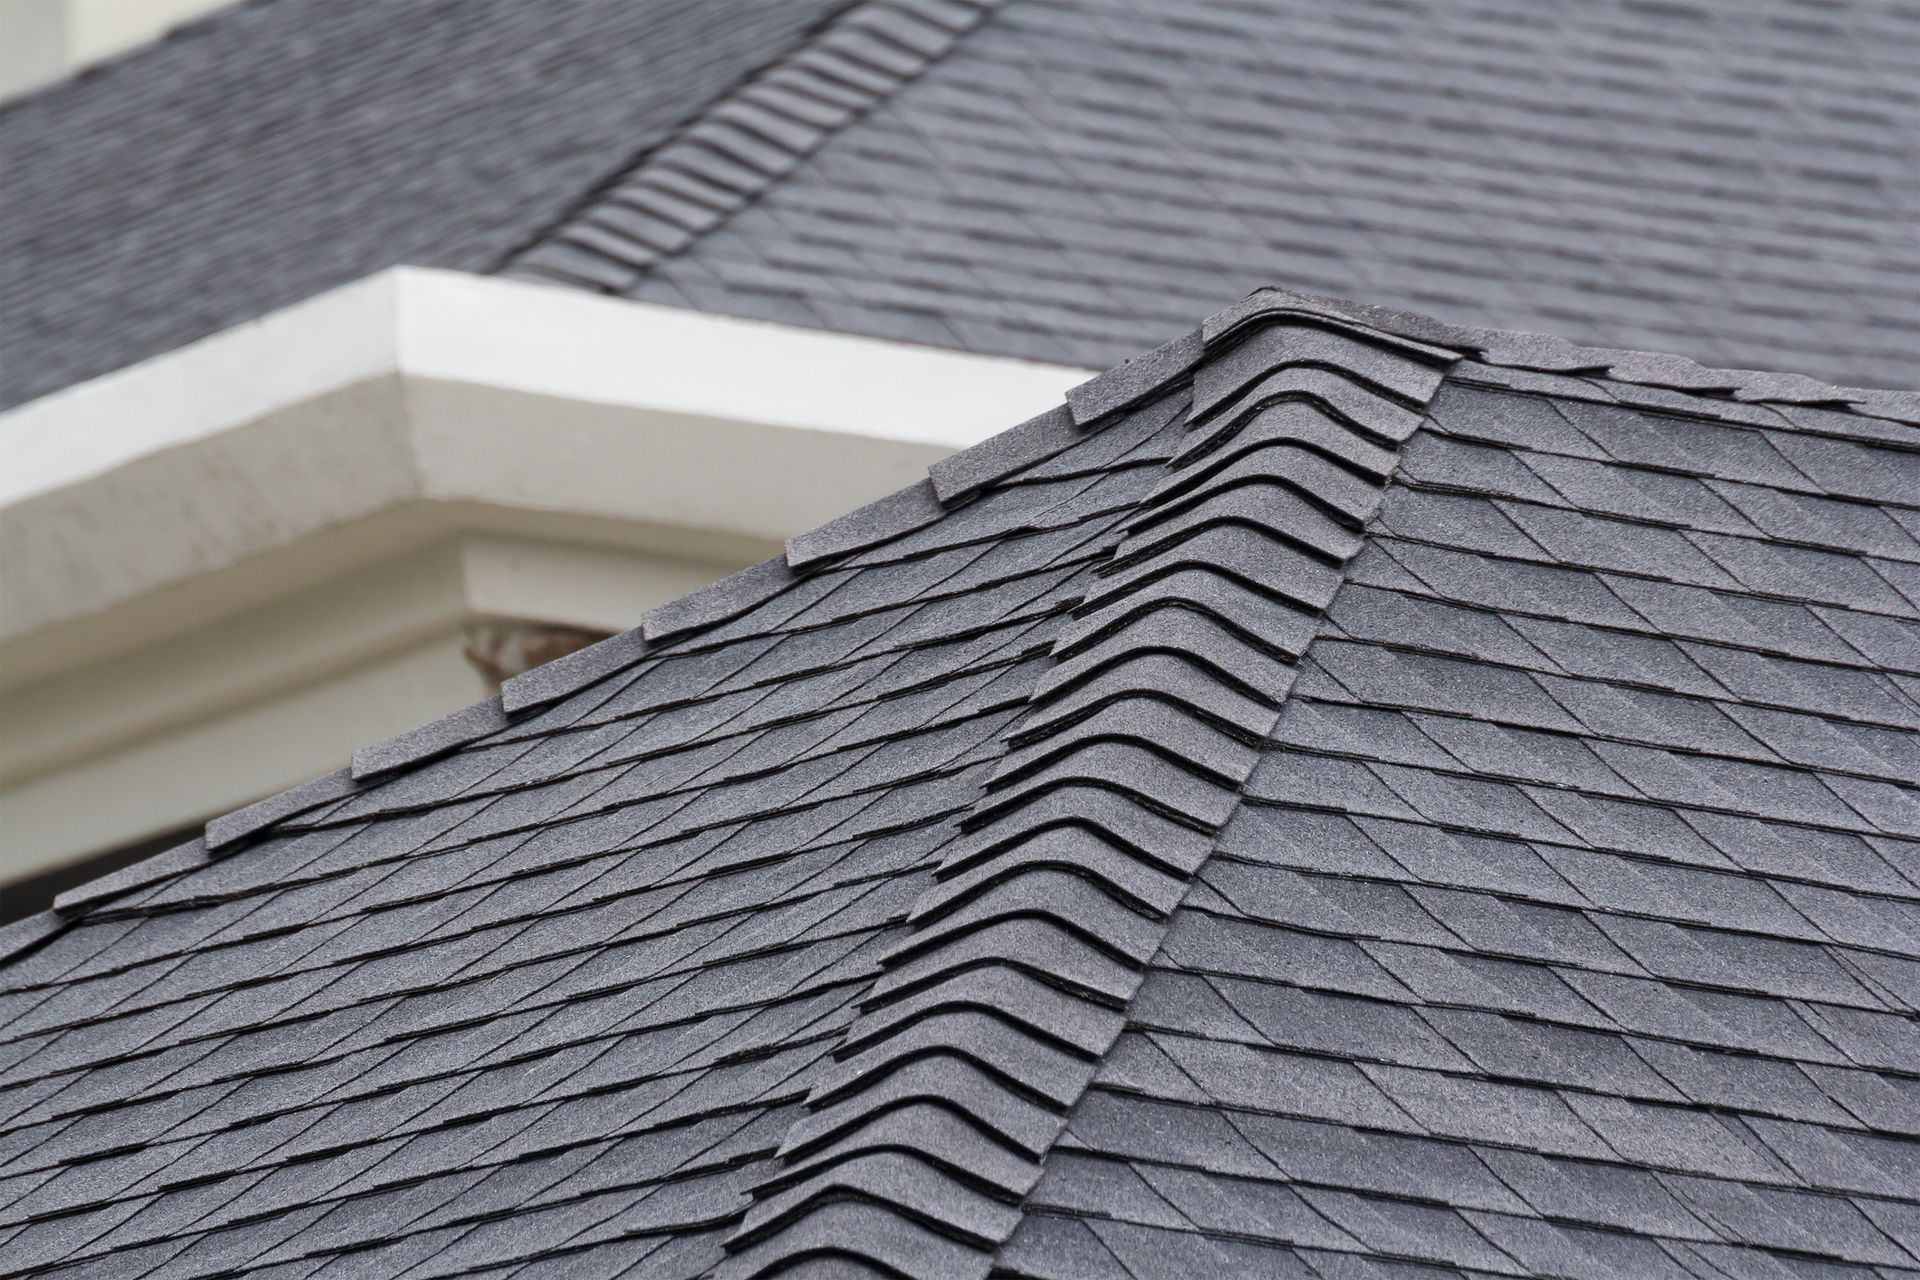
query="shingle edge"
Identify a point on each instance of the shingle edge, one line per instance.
(241, 823)
(25, 934)
(998, 456)
(431, 739)
(901, 512)
(728, 598)
(148, 871)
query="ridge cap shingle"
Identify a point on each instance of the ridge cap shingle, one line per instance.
(1017, 965)
(691, 182)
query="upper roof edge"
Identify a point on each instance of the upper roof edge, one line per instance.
(751, 137)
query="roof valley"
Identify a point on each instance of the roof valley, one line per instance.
(1010, 985)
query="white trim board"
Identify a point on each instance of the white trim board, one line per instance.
(638, 425)
(537, 339)
(187, 728)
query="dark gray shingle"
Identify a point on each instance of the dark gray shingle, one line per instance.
(982, 888)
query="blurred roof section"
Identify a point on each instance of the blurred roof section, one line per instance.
(280, 148)
(1737, 180)
(43, 41)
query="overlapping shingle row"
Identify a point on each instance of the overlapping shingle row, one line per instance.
(1571, 923)
(1731, 179)
(269, 151)
(751, 138)
(1064, 180)
(577, 971)
(1311, 805)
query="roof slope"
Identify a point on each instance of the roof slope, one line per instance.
(1739, 182)
(1063, 180)
(1343, 791)
(279, 148)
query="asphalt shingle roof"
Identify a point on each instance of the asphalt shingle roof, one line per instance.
(1067, 180)
(280, 148)
(1342, 796)
(1736, 180)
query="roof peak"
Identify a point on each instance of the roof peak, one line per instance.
(1544, 353)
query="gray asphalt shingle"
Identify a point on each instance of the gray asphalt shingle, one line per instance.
(1070, 180)
(280, 148)
(1024, 875)
(1066, 180)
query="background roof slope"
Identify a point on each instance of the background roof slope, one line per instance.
(1734, 181)
(279, 148)
(1737, 180)
(1325, 798)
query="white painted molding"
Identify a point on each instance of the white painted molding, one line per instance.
(535, 339)
(206, 722)
(418, 403)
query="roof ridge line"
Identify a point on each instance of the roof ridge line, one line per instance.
(994, 1011)
(735, 148)
(953, 481)
(1544, 353)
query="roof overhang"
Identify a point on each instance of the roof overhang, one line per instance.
(182, 539)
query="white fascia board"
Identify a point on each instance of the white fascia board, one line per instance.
(420, 403)
(549, 341)
(252, 371)
(534, 339)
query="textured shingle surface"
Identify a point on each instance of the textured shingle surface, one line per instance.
(1737, 180)
(1570, 923)
(1321, 804)
(283, 147)
(1067, 180)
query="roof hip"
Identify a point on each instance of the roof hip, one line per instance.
(996, 1008)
